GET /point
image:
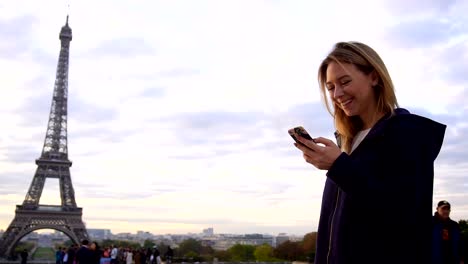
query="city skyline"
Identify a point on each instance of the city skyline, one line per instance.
(178, 112)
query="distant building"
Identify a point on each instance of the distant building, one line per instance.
(33, 235)
(99, 234)
(296, 238)
(124, 236)
(281, 238)
(58, 234)
(208, 232)
(144, 235)
(177, 239)
(225, 242)
(208, 243)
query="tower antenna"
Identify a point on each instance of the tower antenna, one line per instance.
(68, 10)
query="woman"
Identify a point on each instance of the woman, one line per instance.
(377, 201)
(137, 256)
(129, 257)
(96, 253)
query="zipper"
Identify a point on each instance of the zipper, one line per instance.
(331, 227)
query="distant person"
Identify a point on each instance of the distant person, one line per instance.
(24, 256)
(169, 255)
(377, 200)
(96, 253)
(71, 254)
(446, 237)
(65, 257)
(114, 253)
(106, 253)
(149, 255)
(129, 257)
(143, 256)
(156, 255)
(58, 256)
(137, 256)
(84, 255)
(63, 253)
(121, 256)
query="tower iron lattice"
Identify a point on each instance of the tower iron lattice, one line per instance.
(53, 163)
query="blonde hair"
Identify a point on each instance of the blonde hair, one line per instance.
(367, 61)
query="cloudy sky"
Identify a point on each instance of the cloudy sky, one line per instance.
(178, 110)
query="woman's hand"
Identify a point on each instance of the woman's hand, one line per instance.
(322, 157)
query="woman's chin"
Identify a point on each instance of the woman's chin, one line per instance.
(349, 113)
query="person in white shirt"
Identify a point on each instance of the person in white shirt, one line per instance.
(114, 254)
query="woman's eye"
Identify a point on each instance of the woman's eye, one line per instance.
(330, 88)
(345, 82)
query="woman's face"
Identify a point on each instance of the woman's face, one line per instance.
(93, 246)
(350, 89)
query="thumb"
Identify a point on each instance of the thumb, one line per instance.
(324, 141)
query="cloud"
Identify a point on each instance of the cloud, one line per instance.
(402, 7)
(22, 153)
(215, 128)
(153, 92)
(83, 111)
(121, 47)
(15, 182)
(179, 72)
(224, 133)
(453, 63)
(36, 108)
(155, 220)
(16, 36)
(435, 33)
(131, 195)
(422, 33)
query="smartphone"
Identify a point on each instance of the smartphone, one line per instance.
(299, 132)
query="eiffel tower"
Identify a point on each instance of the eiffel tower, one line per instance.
(53, 163)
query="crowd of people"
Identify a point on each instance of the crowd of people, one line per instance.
(92, 253)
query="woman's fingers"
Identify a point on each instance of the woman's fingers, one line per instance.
(325, 141)
(304, 149)
(309, 155)
(308, 143)
(321, 156)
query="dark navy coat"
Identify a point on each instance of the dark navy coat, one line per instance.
(377, 202)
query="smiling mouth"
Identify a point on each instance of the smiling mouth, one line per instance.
(347, 102)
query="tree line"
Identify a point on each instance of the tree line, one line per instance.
(193, 250)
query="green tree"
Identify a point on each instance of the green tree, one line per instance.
(222, 255)
(24, 245)
(189, 245)
(264, 253)
(290, 251)
(148, 243)
(120, 243)
(66, 244)
(242, 252)
(309, 244)
(192, 255)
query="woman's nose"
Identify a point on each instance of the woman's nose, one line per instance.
(338, 92)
